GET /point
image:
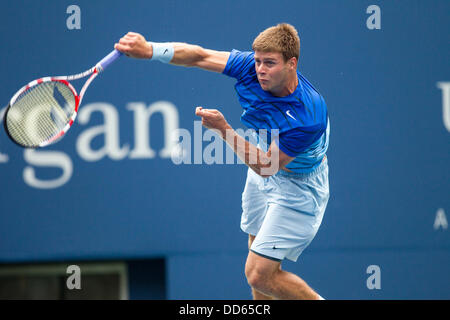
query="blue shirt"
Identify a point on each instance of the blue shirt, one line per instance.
(301, 118)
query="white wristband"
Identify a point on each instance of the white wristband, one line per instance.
(162, 51)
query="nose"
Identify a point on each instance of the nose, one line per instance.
(260, 69)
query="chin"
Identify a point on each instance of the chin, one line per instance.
(264, 87)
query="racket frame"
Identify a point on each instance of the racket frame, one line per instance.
(93, 72)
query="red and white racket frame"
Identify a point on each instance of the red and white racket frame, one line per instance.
(93, 72)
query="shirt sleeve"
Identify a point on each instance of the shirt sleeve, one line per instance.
(239, 64)
(297, 140)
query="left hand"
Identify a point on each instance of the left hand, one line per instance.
(213, 119)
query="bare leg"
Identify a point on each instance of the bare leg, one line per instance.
(255, 293)
(266, 277)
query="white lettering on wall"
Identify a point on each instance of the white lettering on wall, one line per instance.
(142, 116)
(44, 158)
(445, 87)
(3, 157)
(109, 129)
(440, 221)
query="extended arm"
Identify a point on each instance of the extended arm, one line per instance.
(188, 55)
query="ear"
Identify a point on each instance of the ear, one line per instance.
(293, 63)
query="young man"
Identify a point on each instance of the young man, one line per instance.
(286, 191)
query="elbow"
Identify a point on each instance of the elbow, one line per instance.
(267, 171)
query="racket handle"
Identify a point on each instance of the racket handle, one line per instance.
(106, 61)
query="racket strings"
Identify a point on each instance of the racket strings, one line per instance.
(40, 113)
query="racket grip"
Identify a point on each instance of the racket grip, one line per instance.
(110, 58)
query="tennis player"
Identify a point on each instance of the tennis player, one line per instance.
(286, 191)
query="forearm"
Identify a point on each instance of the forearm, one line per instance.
(187, 55)
(259, 161)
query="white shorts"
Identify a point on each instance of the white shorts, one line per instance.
(284, 211)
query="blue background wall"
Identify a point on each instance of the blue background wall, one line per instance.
(388, 155)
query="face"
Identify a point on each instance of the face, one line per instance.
(272, 70)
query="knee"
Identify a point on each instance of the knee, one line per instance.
(256, 278)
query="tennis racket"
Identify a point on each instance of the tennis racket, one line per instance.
(41, 112)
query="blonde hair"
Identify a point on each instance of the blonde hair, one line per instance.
(282, 38)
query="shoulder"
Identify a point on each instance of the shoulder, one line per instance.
(241, 55)
(308, 92)
(239, 63)
(311, 104)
